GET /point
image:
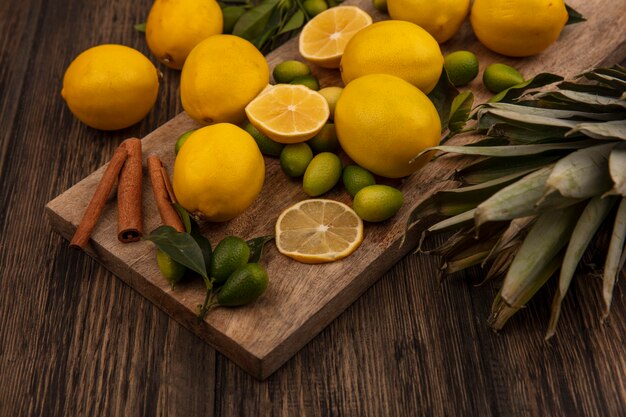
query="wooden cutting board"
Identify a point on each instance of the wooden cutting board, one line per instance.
(302, 299)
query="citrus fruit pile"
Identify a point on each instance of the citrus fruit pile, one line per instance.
(365, 133)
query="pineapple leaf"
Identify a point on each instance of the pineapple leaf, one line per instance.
(589, 88)
(584, 101)
(519, 199)
(607, 80)
(617, 169)
(463, 219)
(614, 254)
(502, 311)
(493, 168)
(590, 220)
(582, 174)
(553, 113)
(521, 135)
(515, 150)
(544, 241)
(607, 130)
(524, 118)
(512, 234)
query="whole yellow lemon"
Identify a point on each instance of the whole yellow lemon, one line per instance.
(518, 27)
(397, 48)
(382, 122)
(440, 18)
(110, 87)
(219, 172)
(222, 74)
(174, 27)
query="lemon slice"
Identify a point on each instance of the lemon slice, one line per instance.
(324, 37)
(288, 113)
(317, 231)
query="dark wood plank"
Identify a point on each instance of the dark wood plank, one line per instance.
(19, 22)
(409, 345)
(74, 340)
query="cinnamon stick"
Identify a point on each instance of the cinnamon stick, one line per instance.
(129, 218)
(163, 195)
(96, 205)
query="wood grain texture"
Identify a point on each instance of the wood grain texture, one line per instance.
(76, 341)
(298, 304)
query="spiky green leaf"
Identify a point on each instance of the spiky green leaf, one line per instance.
(582, 174)
(590, 220)
(614, 255)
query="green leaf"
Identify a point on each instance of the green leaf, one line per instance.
(442, 97)
(252, 24)
(140, 27)
(272, 26)
(231, 15)
(295, 22)
(256, 247)
(573, 16)
(179, 246)
(590, 220)
(184, 216)
(204, 244)
(511, 93)
(460, 110)
(614, 256)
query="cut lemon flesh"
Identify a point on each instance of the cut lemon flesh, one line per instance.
(288, 113)
(318, 230)
(324, 37)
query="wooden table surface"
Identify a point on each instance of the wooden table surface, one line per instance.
(76, 341)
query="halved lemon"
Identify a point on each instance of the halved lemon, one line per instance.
(318, 230)
(324, 37)
(288, 113)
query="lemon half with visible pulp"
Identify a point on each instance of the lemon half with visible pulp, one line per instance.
(318, 230)
(324, 38)
(288, 113)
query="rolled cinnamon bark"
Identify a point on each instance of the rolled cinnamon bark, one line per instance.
(163, 195)
(99, 199)
(129, 212)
